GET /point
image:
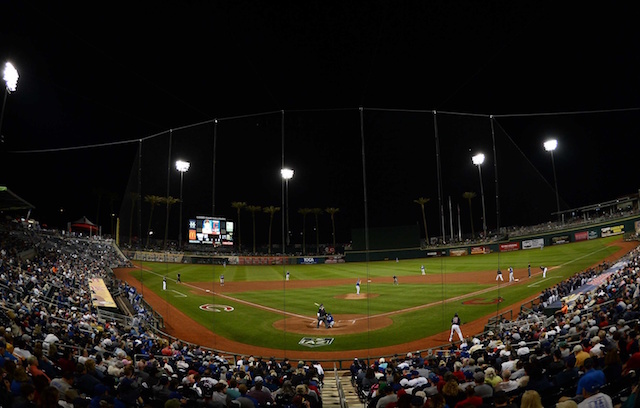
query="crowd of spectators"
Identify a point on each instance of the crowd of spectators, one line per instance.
(57, 350)
(584, 351)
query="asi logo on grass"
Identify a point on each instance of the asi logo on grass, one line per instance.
(210, 307)
(315, 341)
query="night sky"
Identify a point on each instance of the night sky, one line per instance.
(109, 75)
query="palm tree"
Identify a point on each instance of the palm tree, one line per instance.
(239, 205)
(316, 212)
(271, 210)
(133, 196)
(332, 212)
(112, 198)
(304, 212)
(468, 196)
(169, 201)
(421, 202)
(253, 209)
(153, 200)
(99, 192)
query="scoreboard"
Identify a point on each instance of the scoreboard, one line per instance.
(214, 231)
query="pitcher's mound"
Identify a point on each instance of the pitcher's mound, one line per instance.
(353, 296)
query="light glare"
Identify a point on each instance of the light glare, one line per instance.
(478, 159)
(286, 173)
(182, 166)
(550, 145)
(10, 77)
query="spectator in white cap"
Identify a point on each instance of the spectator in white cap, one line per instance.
(597, 348)
(508, 360)
(523, 349)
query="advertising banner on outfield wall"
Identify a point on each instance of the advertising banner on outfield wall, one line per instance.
(480, 250)
(562, 239)
(611, 231)
(260, 260)
(581, 236)
(307, 260)
(511, 246)
(458, 252)
(533, 243)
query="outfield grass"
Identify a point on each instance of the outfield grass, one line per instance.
(251, 325)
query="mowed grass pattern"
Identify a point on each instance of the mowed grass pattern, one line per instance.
(254, 325)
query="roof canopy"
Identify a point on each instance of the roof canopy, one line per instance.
(11, 202)
(84, 223)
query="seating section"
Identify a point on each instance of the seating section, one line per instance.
(55, 345)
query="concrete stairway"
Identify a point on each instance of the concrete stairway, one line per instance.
(330, 394)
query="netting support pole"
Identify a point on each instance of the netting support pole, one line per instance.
(495, 171)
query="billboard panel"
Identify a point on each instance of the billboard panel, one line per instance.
(207, 230)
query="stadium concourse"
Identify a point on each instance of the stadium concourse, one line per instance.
(56, 345)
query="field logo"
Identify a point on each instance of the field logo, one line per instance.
(315, 341)
(210, 307)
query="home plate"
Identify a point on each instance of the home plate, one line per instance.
(208, 290)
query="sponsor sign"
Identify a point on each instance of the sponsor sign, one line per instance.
(480, 250)
(593, 234)
(307, 261)
(533, 243)
(458, 252)
(435, 253)
(260, 260)
(611, 231)
(315, 341)
(562, 239)
(581, 236)
(511, 246)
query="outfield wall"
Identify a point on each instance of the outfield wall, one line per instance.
(621, 226)
(569, 234)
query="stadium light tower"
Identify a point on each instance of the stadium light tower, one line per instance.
(478, 159)
(10, 76)
(550, 146)
(182, 167)
(287, 174)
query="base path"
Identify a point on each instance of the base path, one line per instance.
(179, 325)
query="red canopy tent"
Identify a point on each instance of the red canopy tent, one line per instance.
(83, 225)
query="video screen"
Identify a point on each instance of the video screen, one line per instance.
(207, 230)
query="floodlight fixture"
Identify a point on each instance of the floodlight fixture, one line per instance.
(182, 166)
(550, 145)
(478, 159)
(286, 173)
(10, 76)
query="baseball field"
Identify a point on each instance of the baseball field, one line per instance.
(257, 311)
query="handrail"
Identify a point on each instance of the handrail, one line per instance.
(341, 397)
